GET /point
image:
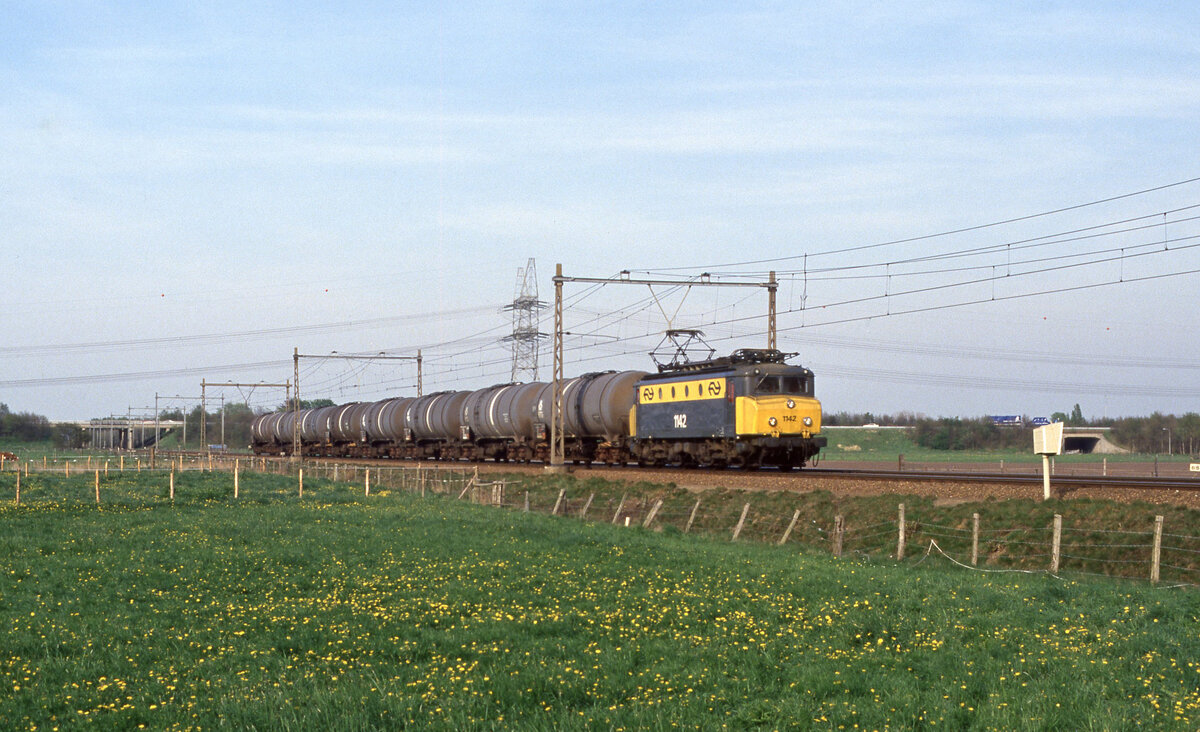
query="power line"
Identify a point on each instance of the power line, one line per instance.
(1009, 355)
(9, 351)
(926, 237)
(137, 375)
(1006, 248)
(992, 382)
(1002, 298)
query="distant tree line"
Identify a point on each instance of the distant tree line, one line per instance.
(1158, 433)
(981, 433)
(23, 426)
(30, 427)
(858, 419)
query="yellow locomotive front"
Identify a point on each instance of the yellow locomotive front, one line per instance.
(773, 403)
(775, 409)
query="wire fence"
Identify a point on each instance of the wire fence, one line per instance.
(1058, 549)
(1061, 547)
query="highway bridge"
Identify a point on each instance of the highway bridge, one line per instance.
(125, 433)
(1089, 440)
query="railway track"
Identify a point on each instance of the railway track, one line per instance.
(775, 479)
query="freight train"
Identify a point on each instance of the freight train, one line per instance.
(748, 409)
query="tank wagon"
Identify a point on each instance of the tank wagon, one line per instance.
(747, 409)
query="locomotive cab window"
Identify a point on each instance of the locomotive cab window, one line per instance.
(768, 385)
(797, 385)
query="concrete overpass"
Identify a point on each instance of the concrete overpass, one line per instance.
(1089, 440)
(127, 433)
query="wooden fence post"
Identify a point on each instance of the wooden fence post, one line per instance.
(470, 484)
(586, 506)
(974, 539)
(839, 531)
(737, 531)
(1156, 554)
(1055, 553)
(653, 512)
(236, 466)
(301, 479)
(172, 489)
(561, 494)
(526, 501)
(18, 486)
(97, 487)
(792, 525)
(367, 485)
(692, 518)
(621, 505)
(900, 539)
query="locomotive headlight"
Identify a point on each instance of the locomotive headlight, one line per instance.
(772, 421)
(808, 421)
(791, 403)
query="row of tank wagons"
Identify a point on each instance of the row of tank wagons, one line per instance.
(596, 408)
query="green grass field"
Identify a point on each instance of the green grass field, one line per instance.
(344, 612)
(868, 444)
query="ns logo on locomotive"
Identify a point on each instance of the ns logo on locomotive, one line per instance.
(748, 409)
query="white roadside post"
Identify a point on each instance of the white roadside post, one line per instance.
(1047, 441)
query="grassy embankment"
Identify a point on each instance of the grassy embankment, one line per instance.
(869, 444)
(338, 611)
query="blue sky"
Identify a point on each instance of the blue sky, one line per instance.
(286, 175)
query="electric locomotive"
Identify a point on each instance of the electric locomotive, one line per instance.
(747, 409)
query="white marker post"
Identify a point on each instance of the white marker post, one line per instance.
(1047, 441)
